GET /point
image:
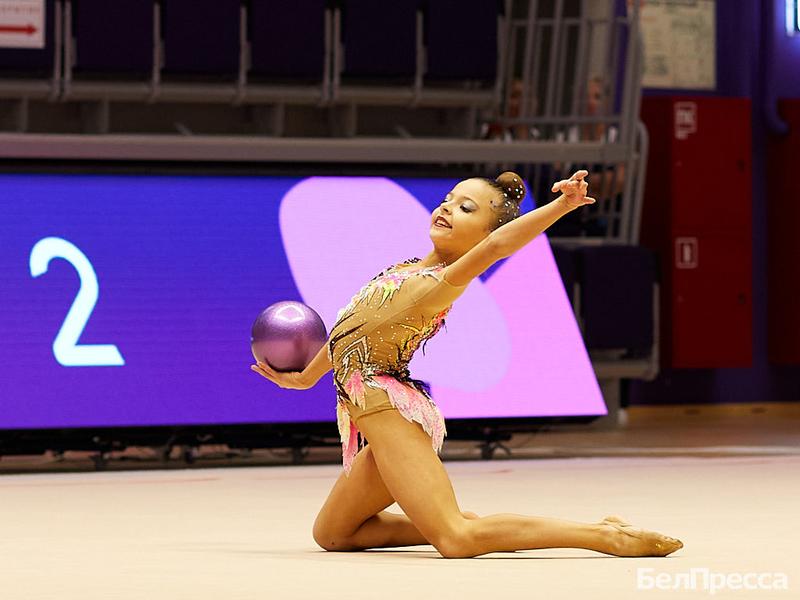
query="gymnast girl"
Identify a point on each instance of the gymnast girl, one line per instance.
(374, 338)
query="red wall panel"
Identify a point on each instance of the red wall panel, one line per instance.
(697, 215)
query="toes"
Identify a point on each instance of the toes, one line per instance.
(668, 545)
(676, 542)
(635, 541)
(616, 519)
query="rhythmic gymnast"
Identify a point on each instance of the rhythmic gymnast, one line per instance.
(369, 348)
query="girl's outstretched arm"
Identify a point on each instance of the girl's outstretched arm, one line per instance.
(517, 233)
(506, 240)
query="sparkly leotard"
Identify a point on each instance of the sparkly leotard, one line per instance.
(373, 340)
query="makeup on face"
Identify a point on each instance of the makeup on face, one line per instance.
(467, 205)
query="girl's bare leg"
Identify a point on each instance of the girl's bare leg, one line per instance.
(388, 530)
(416, 478)
(504, 532)
(353, 516)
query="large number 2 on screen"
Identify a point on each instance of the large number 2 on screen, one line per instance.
(65, 346)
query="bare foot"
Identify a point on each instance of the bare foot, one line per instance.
(614, 519)
(639, 542)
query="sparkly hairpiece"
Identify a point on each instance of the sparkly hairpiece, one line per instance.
(517, 191)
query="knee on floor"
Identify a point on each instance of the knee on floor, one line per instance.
(330, 540)
(333, 543)
(455, 543)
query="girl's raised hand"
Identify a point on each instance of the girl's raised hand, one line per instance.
(290, 380)
(574, 190)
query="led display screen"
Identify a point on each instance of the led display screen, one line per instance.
(127, 300)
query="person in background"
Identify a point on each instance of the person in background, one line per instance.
(609, 179)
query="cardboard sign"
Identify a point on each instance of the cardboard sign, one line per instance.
(22, 24)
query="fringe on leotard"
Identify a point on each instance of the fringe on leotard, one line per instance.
(411, 397)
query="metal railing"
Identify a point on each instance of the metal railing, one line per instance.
(552, 102)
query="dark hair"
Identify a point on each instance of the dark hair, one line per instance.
(511, 192)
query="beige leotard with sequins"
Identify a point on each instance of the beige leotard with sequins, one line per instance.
(372, 342)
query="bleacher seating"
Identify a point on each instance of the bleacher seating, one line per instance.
(201, 37)
(112, 37)
(379, 39)
(461, 40)
(287, 44)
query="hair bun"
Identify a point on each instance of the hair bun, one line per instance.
(513, 186)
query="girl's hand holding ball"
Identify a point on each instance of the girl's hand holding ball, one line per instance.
(292, 380)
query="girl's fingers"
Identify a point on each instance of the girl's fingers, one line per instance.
(263, 373)
(283, 380)
(577, 177)
(562, 185)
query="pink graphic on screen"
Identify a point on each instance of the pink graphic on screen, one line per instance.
(511, 346)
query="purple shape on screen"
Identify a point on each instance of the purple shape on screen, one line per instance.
(550, 373)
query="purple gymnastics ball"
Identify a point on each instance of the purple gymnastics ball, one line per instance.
(287, 335)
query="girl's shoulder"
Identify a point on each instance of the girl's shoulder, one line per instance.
(428, 288)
